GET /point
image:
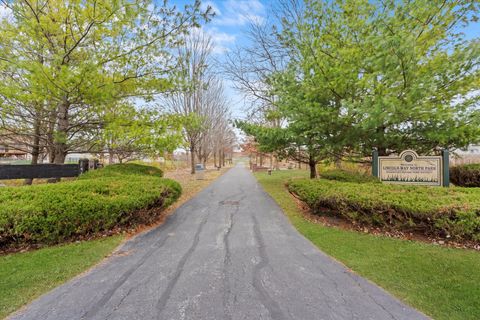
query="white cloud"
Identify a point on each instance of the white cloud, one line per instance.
(214, 7)
(221, 40)
(239, 13)
(4, 12)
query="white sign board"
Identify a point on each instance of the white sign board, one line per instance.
(410, 168)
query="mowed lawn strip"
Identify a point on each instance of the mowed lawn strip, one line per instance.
(444, 283)
(25, 276)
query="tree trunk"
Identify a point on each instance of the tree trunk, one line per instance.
(338, 162)
(110, 156)
(60, 142)
(192, 158)
(199, 153)
(50, 135)
(313, 168)
(62, 131)
(35, 146)
(214, 158)
(277, 165)
(382, 150)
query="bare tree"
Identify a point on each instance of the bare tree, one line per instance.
(215, 113)
(250, 66)
(195, 58)
(200, 99)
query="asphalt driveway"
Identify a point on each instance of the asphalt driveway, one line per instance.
(229, 253)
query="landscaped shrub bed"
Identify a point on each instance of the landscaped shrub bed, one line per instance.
(347, 176)
(466, 175)
(97, 202)
(445, 212)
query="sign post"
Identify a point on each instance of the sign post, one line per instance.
(446, 167)
(375, 163)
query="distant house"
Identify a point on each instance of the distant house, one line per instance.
(471, 154)
(470, 150)
(12, 152)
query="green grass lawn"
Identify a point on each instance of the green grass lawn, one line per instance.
(444, 283)
(25, 276)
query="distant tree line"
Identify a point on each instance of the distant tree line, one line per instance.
(201, 100)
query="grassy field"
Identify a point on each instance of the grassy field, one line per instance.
(444, 283)
(25, 276)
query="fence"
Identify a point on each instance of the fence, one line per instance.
(46, 171)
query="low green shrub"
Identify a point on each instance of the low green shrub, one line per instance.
(347, 176)
(466, 175)
(447, 212)
(98, 201)
(117, 170)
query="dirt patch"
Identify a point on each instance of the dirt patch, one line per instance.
(121, 253)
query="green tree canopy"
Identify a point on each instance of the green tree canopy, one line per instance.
(64, 62)
(385, 74)
(363, 74)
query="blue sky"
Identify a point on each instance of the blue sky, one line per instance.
(228, 28)
(231, 19)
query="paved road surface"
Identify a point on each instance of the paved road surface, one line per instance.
(229, 253)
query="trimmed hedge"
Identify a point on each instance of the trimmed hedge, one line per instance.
(347, 176)
(98, 201)
(118, 170)
(466, 175)
(444, 212)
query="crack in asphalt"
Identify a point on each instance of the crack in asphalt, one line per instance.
(125, 276)
(267, 301)
(227, 262)
(226, 243)
(115, 308)
(335, 285)
(179, 269)
(370, 296)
